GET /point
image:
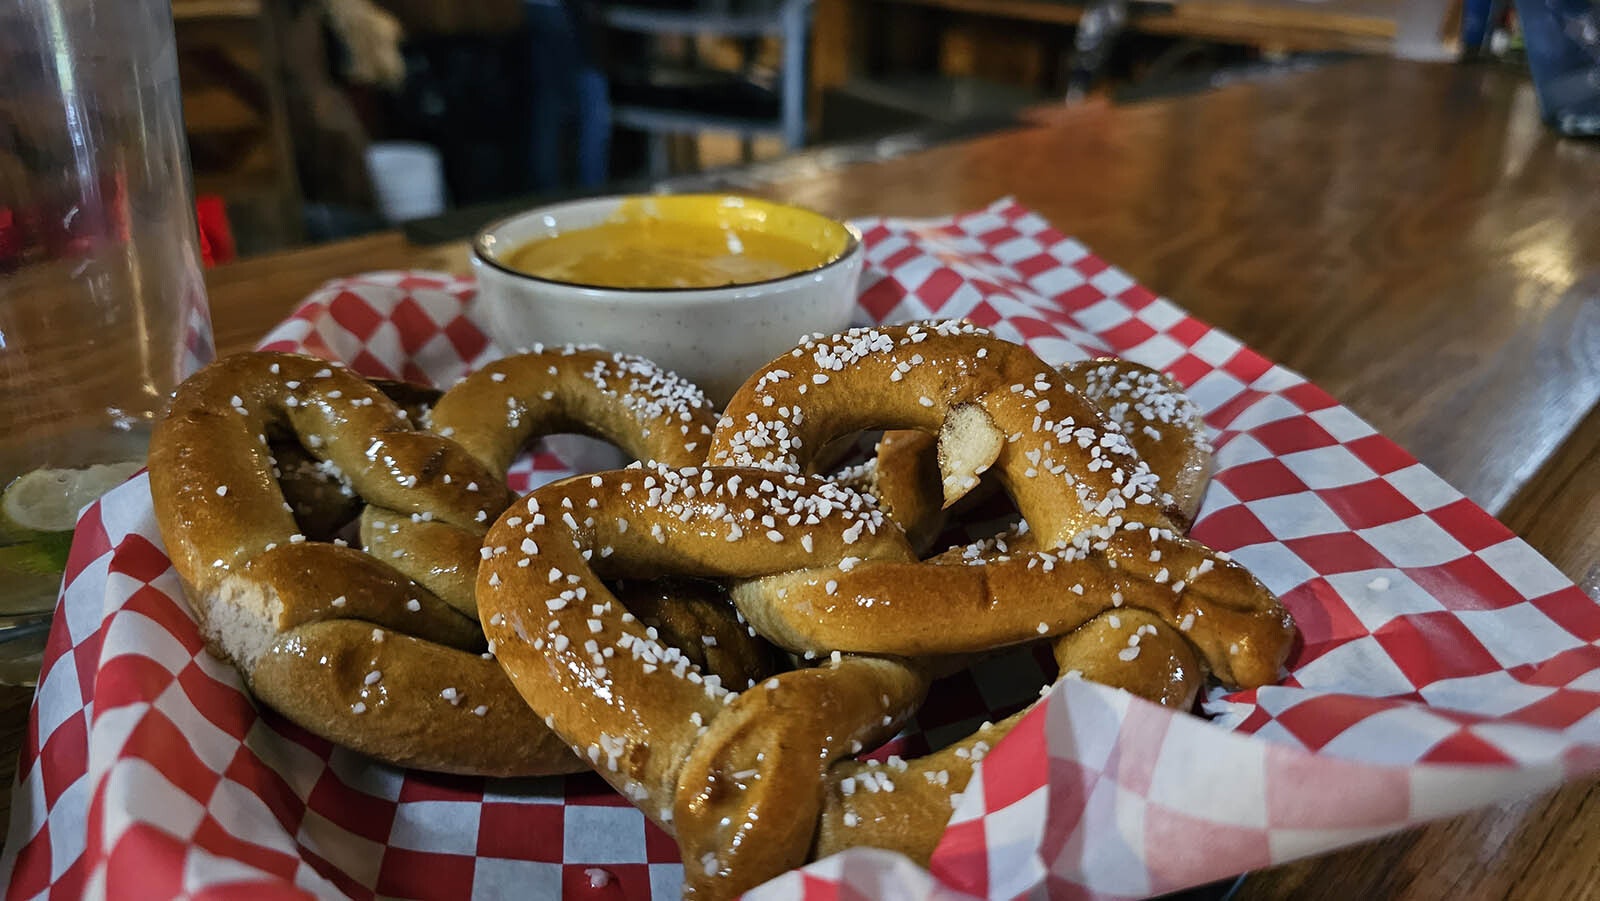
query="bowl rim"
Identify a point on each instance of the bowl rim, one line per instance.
(480, 253)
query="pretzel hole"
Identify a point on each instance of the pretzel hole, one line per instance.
(940, 489)
(969, 692)
(575, 452)
(839, 457)
(909, 486)
(320, 498)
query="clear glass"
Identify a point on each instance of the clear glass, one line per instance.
(102, 306)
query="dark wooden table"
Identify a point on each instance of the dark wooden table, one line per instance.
(1409, 237)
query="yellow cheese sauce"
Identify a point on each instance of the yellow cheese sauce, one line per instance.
(687, 241)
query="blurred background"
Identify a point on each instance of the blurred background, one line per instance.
(312, 120)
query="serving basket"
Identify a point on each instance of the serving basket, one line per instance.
(1443, 664)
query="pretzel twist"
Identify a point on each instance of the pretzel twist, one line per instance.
(495, 412)
(992, 404)
(734, 783)
(334, 639)
(1166, 431)
(905, 806)
(1161, 423)
(606, 682)
(740, 778)
(1093, 509)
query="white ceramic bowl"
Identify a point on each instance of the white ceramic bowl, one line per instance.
(716, 337)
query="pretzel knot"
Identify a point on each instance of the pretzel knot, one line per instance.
(498, 410)
(747, 781)
(1098, 525)
(1148, 407)
(648, 412)
(636, 707)
(336, 640)
(754, 782)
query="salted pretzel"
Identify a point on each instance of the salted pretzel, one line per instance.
(334, 639)
(756, 779)
(632, 705)
(1163, 426)
(737, 777)
(494, 413)
(1096, 516)
(322, 503)
(1166, 431)
(988, 400)
(740, 801)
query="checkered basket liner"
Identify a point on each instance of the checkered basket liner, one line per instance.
(1444, 664)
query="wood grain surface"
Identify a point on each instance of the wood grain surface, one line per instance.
(1408, 236)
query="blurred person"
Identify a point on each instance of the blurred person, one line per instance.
(569, 95)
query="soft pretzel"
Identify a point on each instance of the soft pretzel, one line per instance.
(1092, 508)
(772, 783)
(556, 625)
(1162, 424)
(632, 705)
(650, 413)
(277, 605)
(991, 402)
(737, 777)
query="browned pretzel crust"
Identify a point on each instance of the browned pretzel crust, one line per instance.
(917, 609)
(1162, 424)
(1093, 509)
(737, 777)
(274, 604)
(494, 413)
(636, 707)
(322, 502)
(649, 412)
(992, 404)
(911, 815)
(1160, 421)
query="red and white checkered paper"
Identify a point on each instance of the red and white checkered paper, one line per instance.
(1444, 664)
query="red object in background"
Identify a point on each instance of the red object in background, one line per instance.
(216, 235)
(11, 237)
(56, 226)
